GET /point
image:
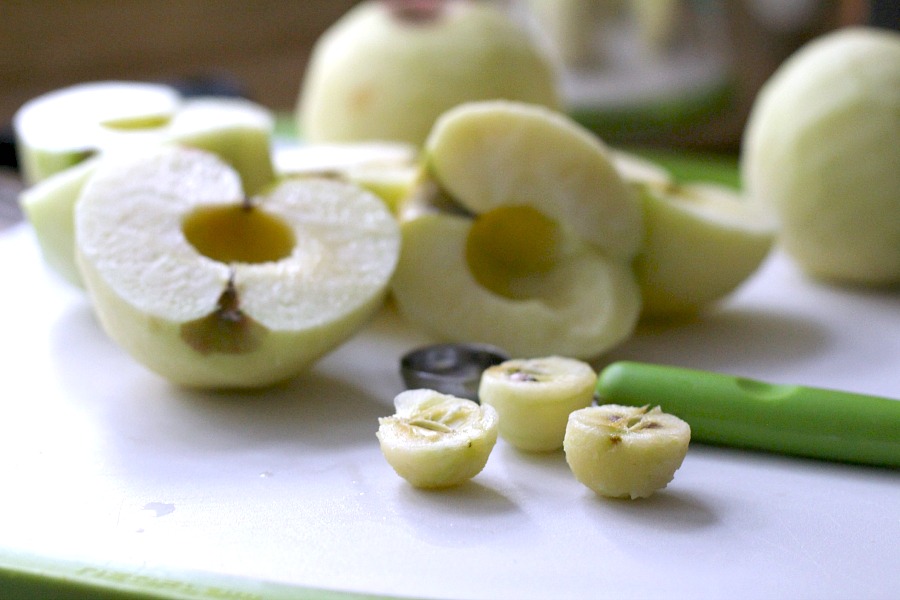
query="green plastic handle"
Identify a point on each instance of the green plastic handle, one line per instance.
(746, 413)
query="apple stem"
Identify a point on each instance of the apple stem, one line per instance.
(228, 307)
(416, 11)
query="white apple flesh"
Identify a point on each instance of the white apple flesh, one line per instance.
(387, 70)
(211, 289)
(822, 146)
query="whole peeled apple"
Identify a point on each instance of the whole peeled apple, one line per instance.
(388, 68)
(822, 146)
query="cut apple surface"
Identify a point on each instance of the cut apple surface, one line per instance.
(520, 235)
(387, 70)
(496, 153)
(211, 288)
(236, 130)
(702, 240)
(61, 128)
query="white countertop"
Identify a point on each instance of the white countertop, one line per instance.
(106, 464)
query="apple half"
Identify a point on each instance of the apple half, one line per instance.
(211, 288)
(61, 128)
(386, 70)
(520, 237)
(701, 241)
(237, 130)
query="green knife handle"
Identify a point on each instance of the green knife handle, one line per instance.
(746, 413)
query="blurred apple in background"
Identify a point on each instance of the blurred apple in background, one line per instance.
(388, 68)
(822, 147)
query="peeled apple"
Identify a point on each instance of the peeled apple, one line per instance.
(822, 146)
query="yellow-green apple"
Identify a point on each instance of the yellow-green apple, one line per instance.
(822, 146)
(701, 241)
(237, 130)
(212, 288)
(388, 68)
(520, 236)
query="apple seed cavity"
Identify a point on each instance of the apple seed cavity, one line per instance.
(242, 233)
(510, 243)
(233, 233)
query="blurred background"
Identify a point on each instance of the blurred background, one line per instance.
(694, 90)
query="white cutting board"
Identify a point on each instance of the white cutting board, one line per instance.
(103, 462)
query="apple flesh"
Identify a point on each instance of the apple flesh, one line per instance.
(821, 147)
(210, 288)
(702, 240)
(237, 130)
(520, 236)
(387, 70)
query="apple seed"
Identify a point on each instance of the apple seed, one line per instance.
(227, 330)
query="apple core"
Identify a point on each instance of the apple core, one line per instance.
(511, 242)
(240, 233)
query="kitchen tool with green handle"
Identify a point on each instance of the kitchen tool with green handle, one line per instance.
(747, 413)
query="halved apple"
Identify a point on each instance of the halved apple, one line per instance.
(702, 240)
(387, 70)
(210, 288)
(521, 237)
(61, 128)
(237, 130)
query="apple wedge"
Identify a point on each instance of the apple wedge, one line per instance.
(387, 70)
(388, 169)
(237, 130)
(214, 289)
(61, 128)
(701, 241)
(520, 236)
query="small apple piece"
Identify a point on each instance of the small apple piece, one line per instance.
(61, 128)
(821, 147)
(534, 398)
(497, 153)
(701, 241)
(236, 130)
(625, 451)
(386, 70)
(387, 169)
(437, 440)
(213, 289)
